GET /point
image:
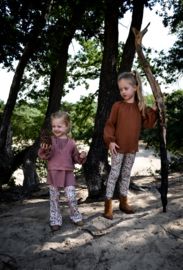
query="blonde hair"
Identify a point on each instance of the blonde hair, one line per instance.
(66, 118)
(134, 79)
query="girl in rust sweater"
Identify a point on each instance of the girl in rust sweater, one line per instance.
(121, 135)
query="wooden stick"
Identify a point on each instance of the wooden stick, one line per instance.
(161, 113)
(171, 233)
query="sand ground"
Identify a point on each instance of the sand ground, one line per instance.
(147, 239)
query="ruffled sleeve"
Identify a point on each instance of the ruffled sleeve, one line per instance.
(45, 155)
(76, 156)
(150, 118)
(110, 127)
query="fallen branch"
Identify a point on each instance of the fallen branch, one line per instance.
(113, 226)
(170, 233)
(135, 187)
(60, 252)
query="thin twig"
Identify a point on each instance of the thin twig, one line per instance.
(13, 259)
(171, 233)
(58, 251)
(6, 264)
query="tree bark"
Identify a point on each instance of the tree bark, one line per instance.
(129, 48)
(161, 114)
(96, 168)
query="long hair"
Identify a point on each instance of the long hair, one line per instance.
(134, 79)
(66, 118)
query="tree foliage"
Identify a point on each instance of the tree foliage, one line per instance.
(172, 13)
(174, 114)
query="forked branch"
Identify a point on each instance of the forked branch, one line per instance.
(161, 113)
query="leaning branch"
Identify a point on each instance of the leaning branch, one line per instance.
(161, 112)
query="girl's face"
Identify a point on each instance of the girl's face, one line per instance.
(59, 128)
(127, 91)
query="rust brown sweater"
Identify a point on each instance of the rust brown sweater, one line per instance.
(124, 124)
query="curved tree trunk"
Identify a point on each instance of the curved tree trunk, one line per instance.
(6, 160)
(27, 53)
(28, 156)
(56, 90)
(96, 168)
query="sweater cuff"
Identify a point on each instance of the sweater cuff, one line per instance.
(153, 111)
(44, 155)
(109, 140)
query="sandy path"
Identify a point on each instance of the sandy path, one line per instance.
(148, 239)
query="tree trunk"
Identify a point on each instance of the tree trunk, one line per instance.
(161, 114)
(6, 158)
(96, 168)
(29, 155)
(129, 48)
(56, 90)
(129, 54)
(27, 53)
(17, 161)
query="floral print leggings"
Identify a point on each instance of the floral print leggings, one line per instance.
(120, 162)
(55, 214)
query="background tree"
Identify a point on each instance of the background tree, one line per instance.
(36, 13)
(96, 168)
(61, 29)
(172, 60)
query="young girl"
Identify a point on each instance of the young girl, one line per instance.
(121, 135)
(61, 156)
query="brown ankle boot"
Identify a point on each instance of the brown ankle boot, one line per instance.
(108, 209)
(55, 228)
(79, 223)
(123, 205)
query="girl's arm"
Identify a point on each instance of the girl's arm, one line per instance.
(110, 127)
(79, 158)
(150, 118)
(45, 151)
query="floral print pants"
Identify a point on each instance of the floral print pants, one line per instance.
(55, 214)
(121, 162)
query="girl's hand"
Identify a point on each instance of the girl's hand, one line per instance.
(154, 106)
(83, 154)
(45, 147)
(112, 148)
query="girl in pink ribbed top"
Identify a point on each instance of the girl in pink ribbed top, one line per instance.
(61, 156)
